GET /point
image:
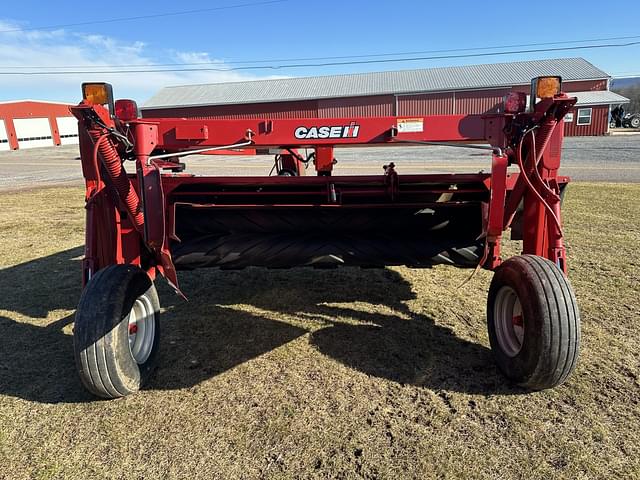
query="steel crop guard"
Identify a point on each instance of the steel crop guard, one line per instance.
(161, 219)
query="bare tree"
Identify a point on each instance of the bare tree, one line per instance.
(633, 94)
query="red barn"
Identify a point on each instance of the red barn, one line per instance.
(32, 123)
(431, 91)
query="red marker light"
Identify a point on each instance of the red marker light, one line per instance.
(126, 110)
(515, 102)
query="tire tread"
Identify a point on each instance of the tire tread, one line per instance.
(98, 317)
(559, 325)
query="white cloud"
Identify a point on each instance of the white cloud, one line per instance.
(51, 50)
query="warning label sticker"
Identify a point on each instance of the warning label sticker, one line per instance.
(409, 125)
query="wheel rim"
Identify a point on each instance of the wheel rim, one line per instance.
(509, 321)
(142, 329)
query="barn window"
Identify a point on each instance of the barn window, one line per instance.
(584, 116)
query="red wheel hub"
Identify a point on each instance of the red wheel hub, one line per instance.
(517, 321)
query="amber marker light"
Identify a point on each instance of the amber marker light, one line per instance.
(98, 94)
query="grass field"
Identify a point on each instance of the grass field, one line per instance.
(319, 374)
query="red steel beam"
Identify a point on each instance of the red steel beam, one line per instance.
(179, 133)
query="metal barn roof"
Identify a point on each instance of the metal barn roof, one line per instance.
(598, 97)
(379, 83)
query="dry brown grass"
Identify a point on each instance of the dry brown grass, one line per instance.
(319, 374)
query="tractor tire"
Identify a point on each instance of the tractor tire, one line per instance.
(635, 122)
(116, 331)
(533, 322)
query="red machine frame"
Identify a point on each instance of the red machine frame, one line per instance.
(130, 218)
(161, 219)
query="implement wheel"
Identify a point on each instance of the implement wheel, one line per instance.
(533, 322)
(116, 331)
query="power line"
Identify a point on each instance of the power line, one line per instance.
(325, 64)
(343, 57)
(144, 17)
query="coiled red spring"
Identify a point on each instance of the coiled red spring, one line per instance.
(104, 146)
(544, 135)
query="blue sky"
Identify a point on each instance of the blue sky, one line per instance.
(291, 29)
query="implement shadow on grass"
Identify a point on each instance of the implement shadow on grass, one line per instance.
(210, 334)
(36, 354)
(398, 345)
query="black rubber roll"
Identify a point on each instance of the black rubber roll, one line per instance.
(375, 237)
(321, 250)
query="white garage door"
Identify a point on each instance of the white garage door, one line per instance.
(68, 130)
(4, 139)
(33, 132)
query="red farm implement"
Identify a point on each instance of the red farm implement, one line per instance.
(162, 219)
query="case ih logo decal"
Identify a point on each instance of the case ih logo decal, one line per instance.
(328, 131)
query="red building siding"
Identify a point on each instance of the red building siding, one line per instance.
(378, 106)
(479, 101)
(434, 103)
(449, 103)
(582, 86)
(240, 111)
(598, 126)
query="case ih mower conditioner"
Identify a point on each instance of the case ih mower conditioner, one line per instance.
(162, 219)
